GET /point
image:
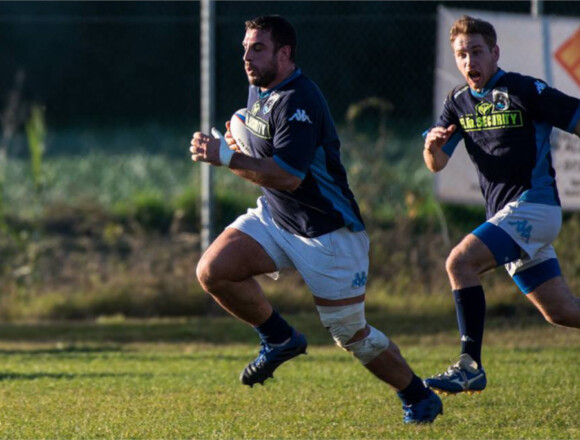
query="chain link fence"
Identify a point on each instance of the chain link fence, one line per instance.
(120, 77)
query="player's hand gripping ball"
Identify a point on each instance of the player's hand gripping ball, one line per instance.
(239, 132)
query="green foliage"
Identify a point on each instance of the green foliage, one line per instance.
(187, 208)
(151, 211)
(230, 204)
(465, 217)
(119, 233)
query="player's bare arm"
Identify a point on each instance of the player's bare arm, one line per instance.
(261, 171)
(264, 172)
(435, 158)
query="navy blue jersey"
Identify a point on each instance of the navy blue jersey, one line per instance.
(292, 123)
(506, 129)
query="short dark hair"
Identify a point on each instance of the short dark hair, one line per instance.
(468, 25)
(283, 34)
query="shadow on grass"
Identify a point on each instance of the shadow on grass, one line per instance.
(223, 329)
(67, 376)
(71, 349)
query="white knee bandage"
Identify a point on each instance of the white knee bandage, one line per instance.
(344, 321)
(369, 348)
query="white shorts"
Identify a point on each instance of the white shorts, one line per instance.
(333, 265)
(533, 227)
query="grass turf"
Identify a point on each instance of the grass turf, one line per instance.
(122, 381)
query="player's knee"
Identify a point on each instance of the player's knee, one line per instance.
(370, 347)
(453, 261)
(459, 263)
(345, 323)
(562, 317)
(206, 273)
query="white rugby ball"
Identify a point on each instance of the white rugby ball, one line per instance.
(239, 131)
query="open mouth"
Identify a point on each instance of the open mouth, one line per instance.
(474, 76)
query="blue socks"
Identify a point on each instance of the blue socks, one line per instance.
(415, 392)
(470, 308)
(275, 330)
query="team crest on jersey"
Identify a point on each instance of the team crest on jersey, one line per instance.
(273, 99)
(500, 98)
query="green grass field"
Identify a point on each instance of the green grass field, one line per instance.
(179, 379)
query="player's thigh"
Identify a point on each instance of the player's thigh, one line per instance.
(235, 255)
(553, 297)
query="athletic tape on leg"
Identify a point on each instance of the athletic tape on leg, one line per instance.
(344, 321)
(369, 348)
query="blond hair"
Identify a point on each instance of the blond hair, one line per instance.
(468, 25)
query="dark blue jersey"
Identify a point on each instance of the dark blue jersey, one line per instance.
(506, 129)
(292, 123)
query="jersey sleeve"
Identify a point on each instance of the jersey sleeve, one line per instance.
(295, 135)
(550, 105)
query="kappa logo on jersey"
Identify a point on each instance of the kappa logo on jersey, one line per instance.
(540, 86)
(300, 116)
(523, 229)
(360, 279)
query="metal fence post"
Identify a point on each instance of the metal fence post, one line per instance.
(207, 64)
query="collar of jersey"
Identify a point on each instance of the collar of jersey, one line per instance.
(490, 84)
(266, 93)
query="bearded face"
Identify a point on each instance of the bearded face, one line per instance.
(260, 58)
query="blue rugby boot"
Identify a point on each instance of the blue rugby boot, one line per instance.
(462, 377)
(271, 357)
(423, 411)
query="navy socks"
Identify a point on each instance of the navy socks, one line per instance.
(415, 392)
(470, 308)
(275, 330)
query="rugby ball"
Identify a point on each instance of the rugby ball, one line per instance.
(239, 131)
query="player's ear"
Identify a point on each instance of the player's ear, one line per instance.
(495, 53)
(284, 53)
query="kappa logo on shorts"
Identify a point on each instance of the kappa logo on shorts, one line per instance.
(360, 279)
(523, 229)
